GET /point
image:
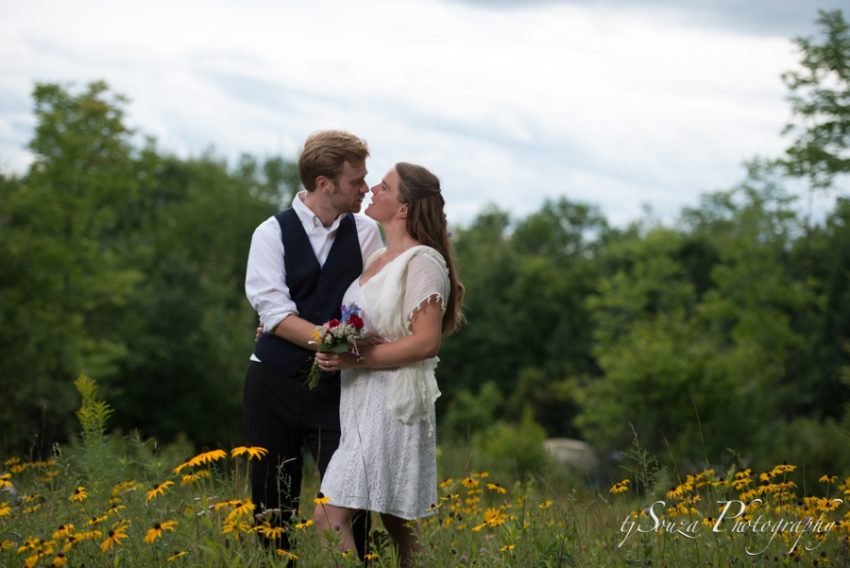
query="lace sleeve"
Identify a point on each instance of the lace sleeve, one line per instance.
(427, 281)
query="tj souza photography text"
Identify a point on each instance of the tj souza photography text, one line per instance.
(729, 521)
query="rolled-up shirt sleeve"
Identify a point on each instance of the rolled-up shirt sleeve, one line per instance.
(265, 276)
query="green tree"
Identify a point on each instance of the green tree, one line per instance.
(64, 258)
(819, 93)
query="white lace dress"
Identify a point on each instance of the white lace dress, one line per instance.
(384, 463)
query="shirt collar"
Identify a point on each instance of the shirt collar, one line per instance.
(308, 218)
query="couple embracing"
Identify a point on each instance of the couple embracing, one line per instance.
(370, 422)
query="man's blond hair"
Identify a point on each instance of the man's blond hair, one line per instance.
(325, 152)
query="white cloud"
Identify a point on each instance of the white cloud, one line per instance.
(507, 106)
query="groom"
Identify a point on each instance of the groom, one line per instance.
(300, 264)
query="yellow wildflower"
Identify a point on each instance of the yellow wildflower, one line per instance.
(232, 525)
(207, 457)
(114, 537)
(158, 489)
(304, 524)
(245, 507)
(59, 560)
(79, 495)
(497, 488)
(30, 543)
(322, 500)
(5, 481)
(97, 520)
(620, 487)
(12, 461)
(507, 548)
(189, 478)
(286, 554)
(253, 452)
(828, 479)
(156, 531)
(446, 483)
(494, 517)
(5, 509)
(269, 531)
(63, 530)
(545, 504)
(176, 555)
(124, 486)
(469, 482)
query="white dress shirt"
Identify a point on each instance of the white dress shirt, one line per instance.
(265, 278)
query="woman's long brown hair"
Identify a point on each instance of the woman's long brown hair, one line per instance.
(426, 222)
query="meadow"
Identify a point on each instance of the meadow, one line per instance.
(108, 500)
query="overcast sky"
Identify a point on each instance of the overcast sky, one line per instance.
(618, 103)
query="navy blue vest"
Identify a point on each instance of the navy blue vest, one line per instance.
(316, 290)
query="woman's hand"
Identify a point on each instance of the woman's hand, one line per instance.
(332, 362)
(259, 333)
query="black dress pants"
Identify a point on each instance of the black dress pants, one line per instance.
(283, 415)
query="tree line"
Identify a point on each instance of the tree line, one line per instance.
(726, 332)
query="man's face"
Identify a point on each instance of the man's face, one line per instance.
(350, 188)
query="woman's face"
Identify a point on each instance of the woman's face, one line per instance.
(385, 204)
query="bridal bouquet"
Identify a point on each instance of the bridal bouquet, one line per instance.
(336, 336)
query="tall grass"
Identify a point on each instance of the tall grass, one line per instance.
(123, 501)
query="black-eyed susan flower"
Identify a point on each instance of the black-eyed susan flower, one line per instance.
(195, 476)
(545, 504)
(234, 525)
(125, 486)
(114, 537)
(369, 557)
(5, 509)
(831, 479)
(63, 531)
(157, 529)
(79, 495)
(6, 481)
(225, 504)
(12, 461)
(620, 487)
(89, 535)
(158, 489)
(253, 452)
(59, 560)
(286, 554)
(30, 543)
(494, 517)
(507, 548)
(302, 524)
(469, 482)
(446, 483)
(242, 509)
(94, 521)
(497, 488)
(50, 474)
(270, 531)
(177, 555)
(207, 457)
(322, 500)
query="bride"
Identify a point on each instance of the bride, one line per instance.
(411, 296)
